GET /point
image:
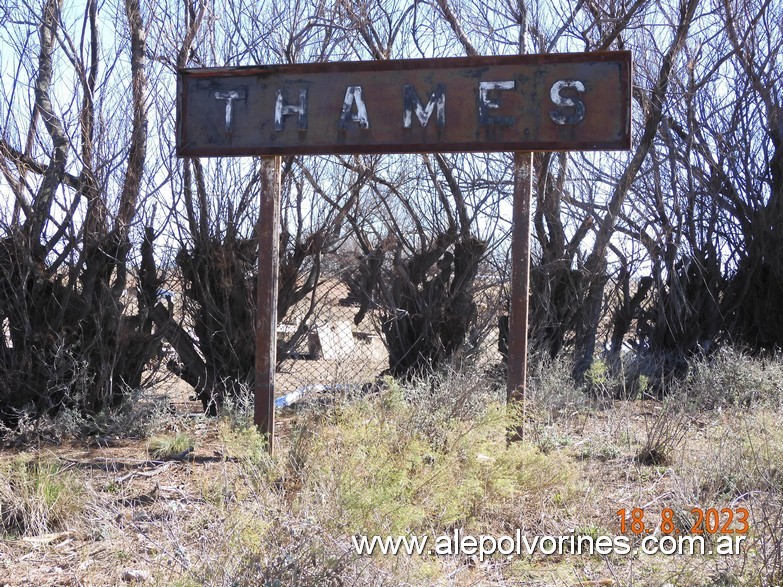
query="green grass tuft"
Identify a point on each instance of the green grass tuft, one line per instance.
(170, 446)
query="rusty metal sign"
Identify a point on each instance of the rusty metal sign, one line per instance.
(573, 101)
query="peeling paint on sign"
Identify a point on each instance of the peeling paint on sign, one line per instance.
(575, 105)
(489, 99)
(283, 109)
(412, 103)
(229, 98)
(353, 99)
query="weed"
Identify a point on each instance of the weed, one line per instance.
(549, 440)
(305, 564)
(237, 408)
(430, 402)
(253, 545)
(599, 452)
(218, 492)
(244, 443)
(730, 378)
(134, 416)
(425, 458)
(551, 391)
(767, 519)
(597, 378)
(644, 385)
(743, 458)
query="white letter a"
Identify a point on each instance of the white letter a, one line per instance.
(353, 96)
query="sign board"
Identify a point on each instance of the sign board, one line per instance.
(572, 101)
(525, 103)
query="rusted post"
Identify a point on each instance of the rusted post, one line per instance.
(266, 298)
(520, 287)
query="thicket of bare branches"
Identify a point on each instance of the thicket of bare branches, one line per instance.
(667, 252)
(77, 327)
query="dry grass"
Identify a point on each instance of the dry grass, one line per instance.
(38, 496)
(425, 458)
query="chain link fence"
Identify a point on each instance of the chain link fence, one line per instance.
(334, 351)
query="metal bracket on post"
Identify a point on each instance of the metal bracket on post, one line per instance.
(266, 298)
(516, 382)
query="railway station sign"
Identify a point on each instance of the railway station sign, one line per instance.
(572, 101)
(521, 103)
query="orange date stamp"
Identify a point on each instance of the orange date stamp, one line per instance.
(705, 521)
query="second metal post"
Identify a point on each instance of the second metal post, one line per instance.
(516, 381)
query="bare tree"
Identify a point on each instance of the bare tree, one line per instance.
(669, 250)
(216, 240)
(754, 176)
(595, 265)
(72, 339)
(709, 215)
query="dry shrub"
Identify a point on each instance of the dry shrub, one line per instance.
(551, 389)
(731, 378)
(740, 467)
(136, 415)
(301, 555)
(258, 540)
(378, 470)
(256, 547)
(743, 458)
(665, 432)
(443, 397)
(767, 521)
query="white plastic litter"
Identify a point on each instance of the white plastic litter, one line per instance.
(303, 392)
